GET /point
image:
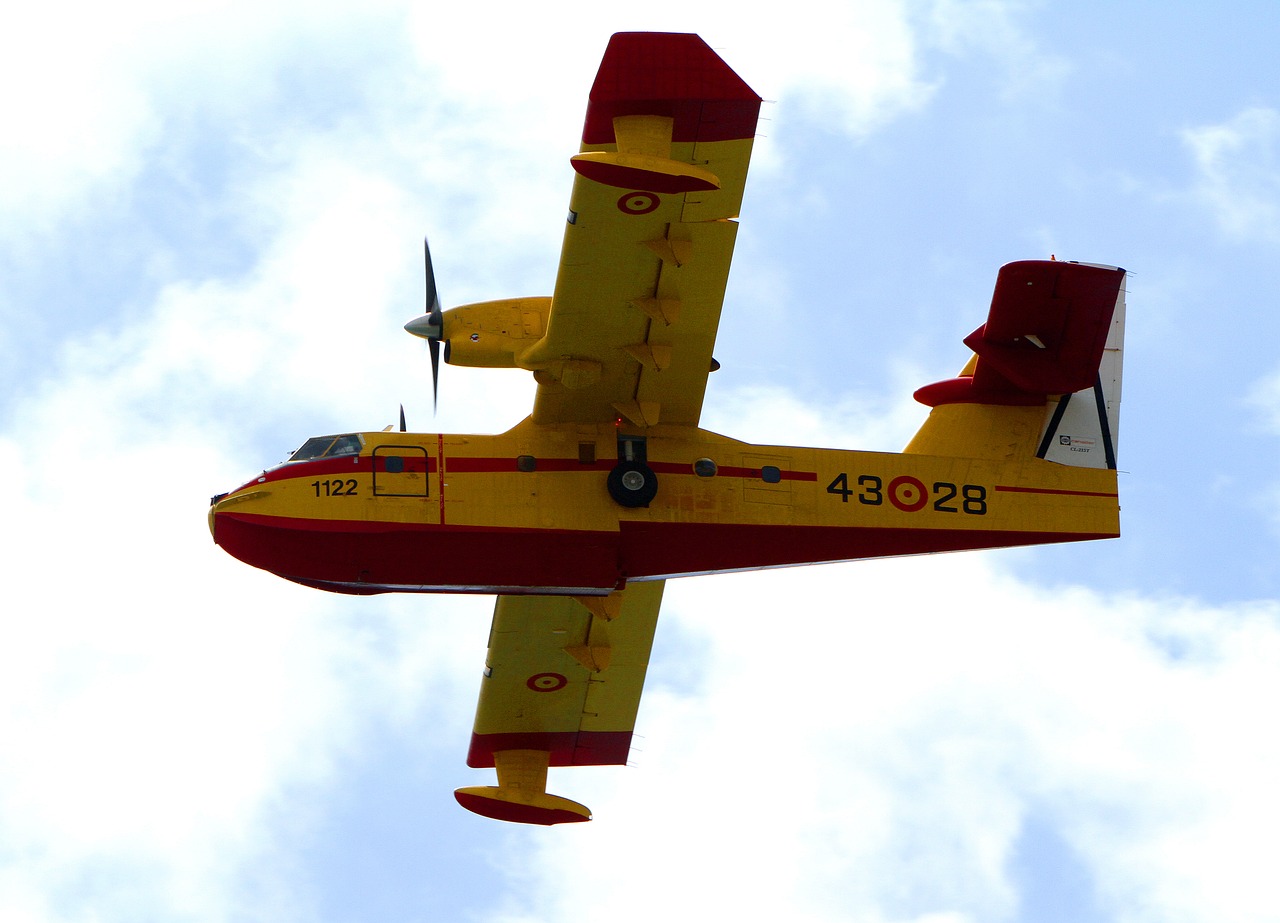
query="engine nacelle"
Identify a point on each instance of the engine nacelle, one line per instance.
(493, 334)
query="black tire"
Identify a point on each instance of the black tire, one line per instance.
(632, 484)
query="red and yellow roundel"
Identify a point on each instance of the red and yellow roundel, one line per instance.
(908, 494)
(638, 203)
(547, 682)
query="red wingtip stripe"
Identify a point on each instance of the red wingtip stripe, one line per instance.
(675, 75)
(567, 748)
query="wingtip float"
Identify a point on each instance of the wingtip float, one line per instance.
(577, 516)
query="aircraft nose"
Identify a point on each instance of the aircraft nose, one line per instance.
(213, 509)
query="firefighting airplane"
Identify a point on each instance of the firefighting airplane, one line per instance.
(578, 515)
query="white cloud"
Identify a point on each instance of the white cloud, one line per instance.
(777, 417)
(861, 61)
(1264, 398)
(171, 714)
(992, 28)
(1263, 401)
(104, 95)
(97, 92)
(1238, 172)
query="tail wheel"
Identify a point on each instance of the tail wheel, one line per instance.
(632, 484)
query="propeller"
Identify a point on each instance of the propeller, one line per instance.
(430, 325)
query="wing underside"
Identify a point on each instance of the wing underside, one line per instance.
(561, 687)
(649, 237)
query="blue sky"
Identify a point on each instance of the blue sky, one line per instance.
(210, 222)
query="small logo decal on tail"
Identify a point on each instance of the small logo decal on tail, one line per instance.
(1090, 416)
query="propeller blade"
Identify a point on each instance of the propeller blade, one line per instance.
(430, 326)
(436, 319)
(434, 346)
(433, 297)
(403, 428)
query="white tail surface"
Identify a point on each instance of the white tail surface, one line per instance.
(1082, 429)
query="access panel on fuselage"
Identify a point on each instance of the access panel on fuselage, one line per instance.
(401, 471)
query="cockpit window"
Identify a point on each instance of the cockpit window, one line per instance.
(327, 447)
(345, 445)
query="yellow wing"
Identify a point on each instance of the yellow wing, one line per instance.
(628, 333)
(561, 687)
(649, 238)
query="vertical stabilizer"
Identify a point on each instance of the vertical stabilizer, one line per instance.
(1083, 428)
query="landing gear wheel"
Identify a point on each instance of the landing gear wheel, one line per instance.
(632, 484)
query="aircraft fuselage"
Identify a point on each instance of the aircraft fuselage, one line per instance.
(534, 510)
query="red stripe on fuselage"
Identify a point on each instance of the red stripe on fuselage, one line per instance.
(756, 474)
(1058, 491)
(463, 464)
(473, 465)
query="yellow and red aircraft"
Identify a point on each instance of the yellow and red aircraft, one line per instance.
(577, 515)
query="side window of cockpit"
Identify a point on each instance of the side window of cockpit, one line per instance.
(327, 446)
(314, 447)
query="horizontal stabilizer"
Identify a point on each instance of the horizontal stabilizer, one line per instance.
(1045, 334)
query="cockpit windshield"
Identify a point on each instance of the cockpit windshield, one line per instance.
(327, 447)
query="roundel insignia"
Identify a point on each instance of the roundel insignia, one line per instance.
(547, 682)
(638, 203)
(907, 494)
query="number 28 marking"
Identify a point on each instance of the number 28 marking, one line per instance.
(910, 494)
